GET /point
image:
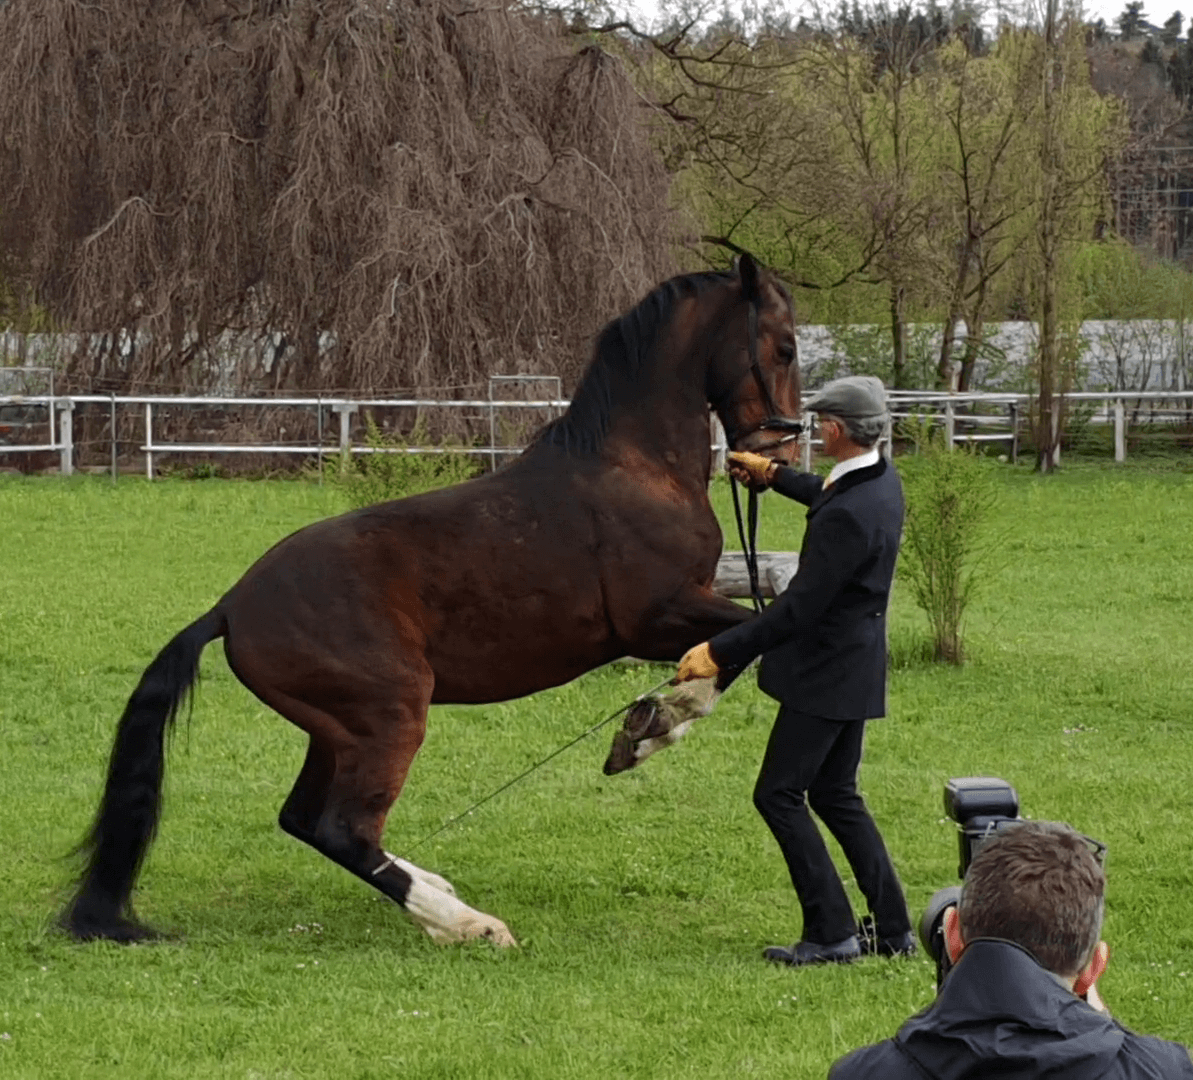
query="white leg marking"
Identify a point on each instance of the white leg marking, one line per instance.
(649, 746)
(692, 699)
(448, 920)
(434, 880)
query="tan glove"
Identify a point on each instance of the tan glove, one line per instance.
(752, 468)
(697, 663)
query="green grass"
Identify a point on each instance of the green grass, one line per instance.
(642, 901)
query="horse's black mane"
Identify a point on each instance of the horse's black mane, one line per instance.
(623, 349)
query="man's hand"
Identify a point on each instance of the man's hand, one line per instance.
(751, 468)
(697, 663)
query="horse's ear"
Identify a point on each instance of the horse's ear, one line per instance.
(747, 269)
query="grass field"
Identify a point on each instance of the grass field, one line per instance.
(642, 901)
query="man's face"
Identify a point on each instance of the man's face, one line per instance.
(831, 434)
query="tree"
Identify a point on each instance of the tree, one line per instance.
(1130, 22)
(388, 193)
(985, 112)
(1073, 143)
(1172, 28)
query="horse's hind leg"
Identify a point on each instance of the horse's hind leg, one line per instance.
(355, 768)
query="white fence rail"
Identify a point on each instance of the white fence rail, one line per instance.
(946, 409)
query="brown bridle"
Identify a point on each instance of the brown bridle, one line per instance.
(789, 429)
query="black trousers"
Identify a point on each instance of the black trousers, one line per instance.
(813, 762)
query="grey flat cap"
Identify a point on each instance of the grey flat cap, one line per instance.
(855, 397)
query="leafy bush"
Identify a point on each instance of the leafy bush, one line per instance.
(950, 496)
(391, 471)
(1118, 282)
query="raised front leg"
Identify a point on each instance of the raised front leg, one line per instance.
(659, 720)
(663, 719)
(670, 628)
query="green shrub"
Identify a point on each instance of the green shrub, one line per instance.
(950, 496)
(391, 471)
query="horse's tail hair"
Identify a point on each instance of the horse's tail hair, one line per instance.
(127, 818)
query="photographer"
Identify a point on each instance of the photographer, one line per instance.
(1021, 999)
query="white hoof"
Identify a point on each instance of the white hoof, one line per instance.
(448, 920)
(485, 927)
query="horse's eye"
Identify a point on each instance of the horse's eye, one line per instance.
(787, 352)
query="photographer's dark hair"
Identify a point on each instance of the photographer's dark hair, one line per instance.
(1036, 884)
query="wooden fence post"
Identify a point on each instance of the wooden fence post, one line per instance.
(719, 447)
(66, 436)
(148, 441)
(1056, 432)
(1120, 431)
(345, 411)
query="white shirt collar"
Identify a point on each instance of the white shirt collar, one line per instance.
(862, 461)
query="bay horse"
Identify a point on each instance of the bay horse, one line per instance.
(597, 542)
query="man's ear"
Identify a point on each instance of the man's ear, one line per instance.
(1092, 972)
(953, 943)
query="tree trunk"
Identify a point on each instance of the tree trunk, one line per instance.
(898, 339)
(1047, 422)
(973, 342)
(944, 365)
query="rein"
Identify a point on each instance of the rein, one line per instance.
(749, 544)
(539, 764)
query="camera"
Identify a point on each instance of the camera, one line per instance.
(981, 806)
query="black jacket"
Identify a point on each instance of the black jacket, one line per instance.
(1001, 1014)
(823, 641)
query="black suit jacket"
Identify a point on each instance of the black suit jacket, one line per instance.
(823, 641)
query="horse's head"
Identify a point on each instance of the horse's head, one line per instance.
(753, 380)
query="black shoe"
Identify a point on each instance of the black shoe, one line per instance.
(812, 952)
(873, 945)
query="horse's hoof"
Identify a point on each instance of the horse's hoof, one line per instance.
(486, 928)
(646, 720)
(119, 929)
(621, 755)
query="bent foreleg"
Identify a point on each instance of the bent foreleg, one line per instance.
(659, 721)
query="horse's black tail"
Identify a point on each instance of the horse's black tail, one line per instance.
(128, 813)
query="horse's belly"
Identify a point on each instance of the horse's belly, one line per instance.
(484, 653)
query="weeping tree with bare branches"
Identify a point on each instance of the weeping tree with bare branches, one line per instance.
(390, 193)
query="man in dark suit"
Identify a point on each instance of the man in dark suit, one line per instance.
(824, 659)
